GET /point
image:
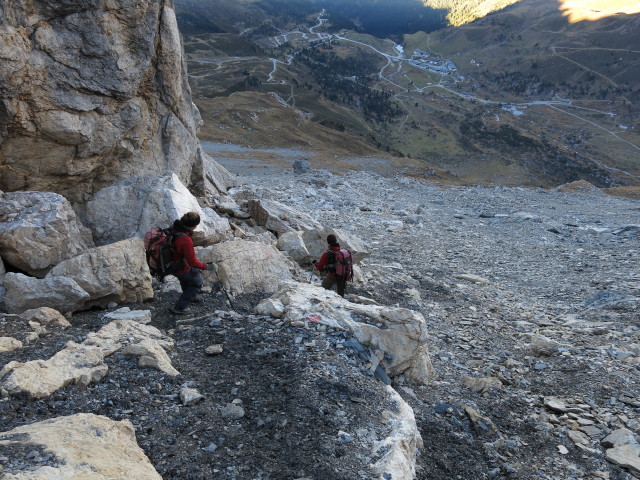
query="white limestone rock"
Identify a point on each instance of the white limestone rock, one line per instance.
(279, 218)
(245, 267)
(271, 307)
(151, 355)
(133, 206)
(541, 345)
(125, 313)
(80, 364)
(9, 344)
(113, 273)
(75, 364)
(190, 396)
(398, 450)
(87, 446)
(113, 336)
(217, 179)
(401, 333)
(45, 316)
(38, 230)
(293, 244)
(24, 293)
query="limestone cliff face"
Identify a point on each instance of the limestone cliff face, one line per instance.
(92, 91)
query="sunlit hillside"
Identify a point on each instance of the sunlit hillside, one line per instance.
(461, 12)
(579, 10)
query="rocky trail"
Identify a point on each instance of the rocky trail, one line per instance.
(531, 300)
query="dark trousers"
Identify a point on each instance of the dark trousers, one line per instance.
(191, 282)
(329, 282)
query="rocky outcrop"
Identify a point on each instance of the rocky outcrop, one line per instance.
(92, 92)
(8, 344)
(39, 230)
(293, 244)
(399, 449)
(398, 335)
(83, 364)
(134, 206)
(82, 446)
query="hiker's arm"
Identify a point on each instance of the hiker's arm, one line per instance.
(189, 254)
(322, 263)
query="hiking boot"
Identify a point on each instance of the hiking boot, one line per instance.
(179, 311)
(198, 299)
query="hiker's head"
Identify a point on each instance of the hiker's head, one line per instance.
(190, 220)
(332, 240)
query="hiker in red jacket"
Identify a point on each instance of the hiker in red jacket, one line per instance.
(190, 275)
(328, 263)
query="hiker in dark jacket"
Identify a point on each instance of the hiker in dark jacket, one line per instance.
(328, 263)
(190, 275)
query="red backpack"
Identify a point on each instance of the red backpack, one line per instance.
(158, 244)
(344, 264)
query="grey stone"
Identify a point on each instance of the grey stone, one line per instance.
(231, 411)
(38, 230)
(301, 166)
(95, 92)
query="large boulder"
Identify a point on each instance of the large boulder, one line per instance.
(133, 206)
(38, 230)
(113, 273)
(246, 267)
(85, 446)
(293, 244)
(93, 92)
(24, 293)
(398, 335)
(279, 218)
(316, 242)
(217, 179)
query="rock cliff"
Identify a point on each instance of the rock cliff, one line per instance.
(93, 92)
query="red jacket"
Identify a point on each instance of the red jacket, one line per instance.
(183, 248)
(324, 259)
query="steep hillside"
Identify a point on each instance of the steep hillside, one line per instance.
(259, 122)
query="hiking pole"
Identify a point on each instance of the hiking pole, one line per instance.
(225, 291)
(313, 268)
